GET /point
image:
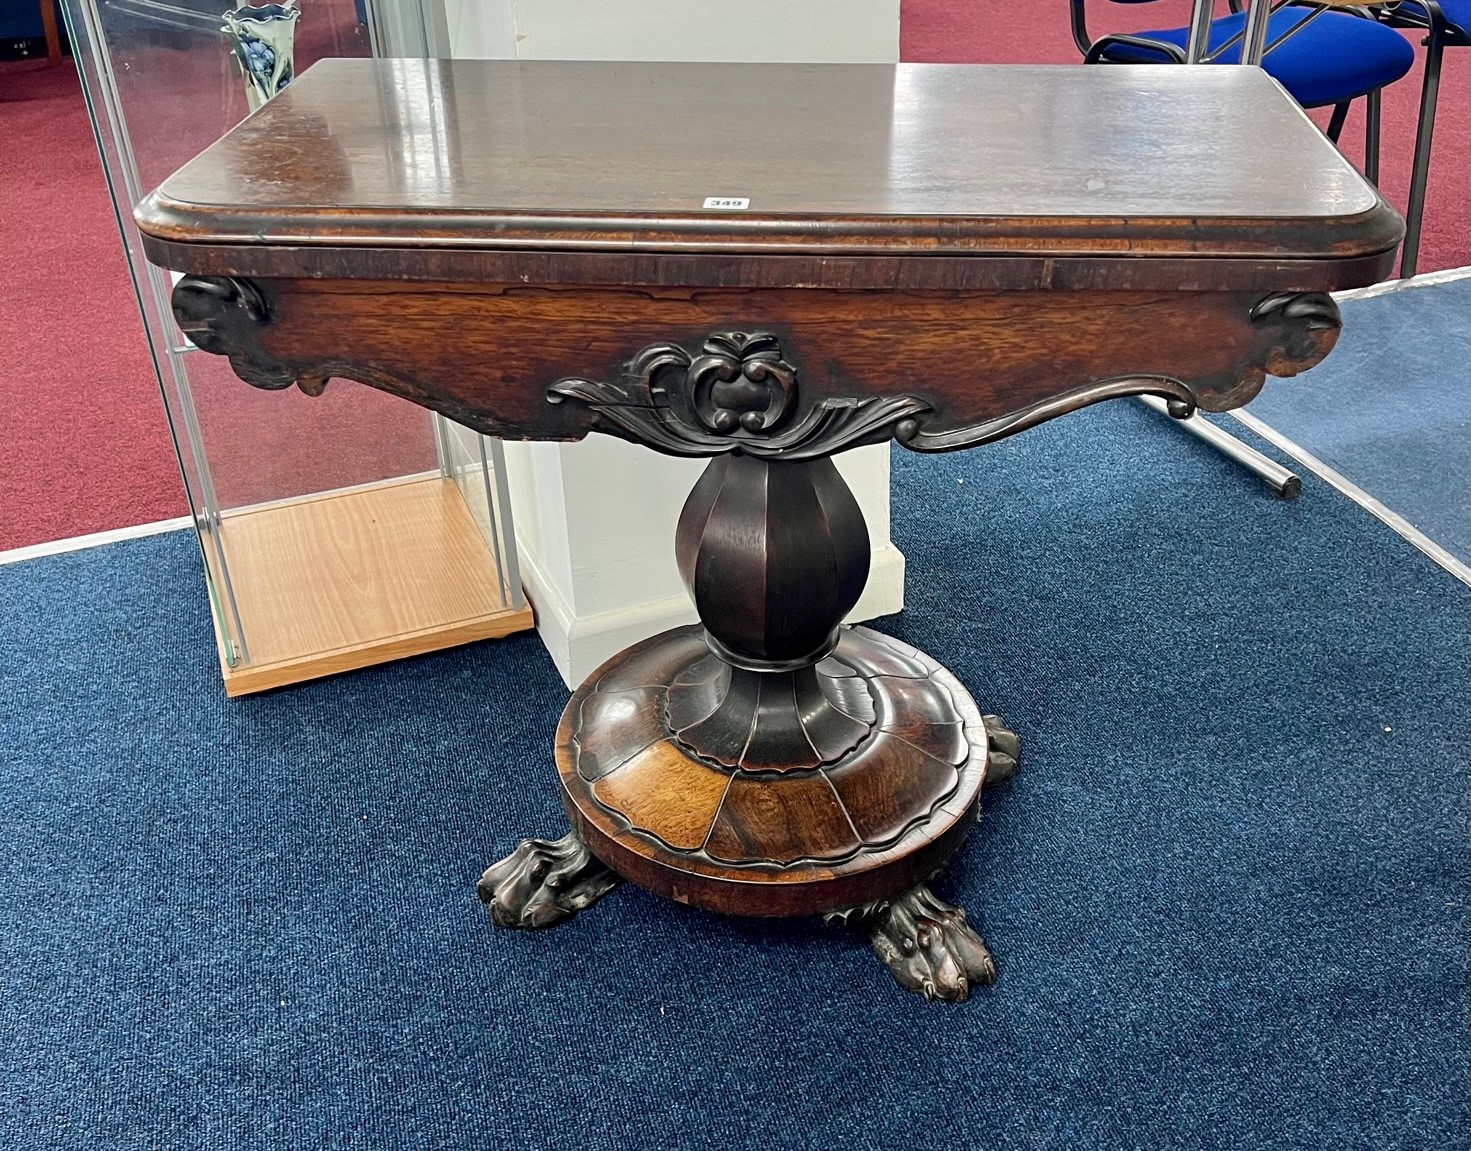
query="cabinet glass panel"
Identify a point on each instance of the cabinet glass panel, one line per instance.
(163, 80)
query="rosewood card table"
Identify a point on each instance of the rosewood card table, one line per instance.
(764, 265)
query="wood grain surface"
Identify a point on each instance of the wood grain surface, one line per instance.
(834, 158)
(486, 354)
(357, 578)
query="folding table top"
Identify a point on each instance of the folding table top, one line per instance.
(820, 159)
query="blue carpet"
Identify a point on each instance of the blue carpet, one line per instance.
(1390, 409)
(1227, 889)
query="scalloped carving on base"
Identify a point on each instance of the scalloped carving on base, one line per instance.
(913, 745)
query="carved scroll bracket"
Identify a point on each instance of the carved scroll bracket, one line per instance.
(223, 316)
(1299, 330)
(1307, 325)
(1181, 399)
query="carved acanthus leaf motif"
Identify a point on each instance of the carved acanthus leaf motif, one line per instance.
(738, 394)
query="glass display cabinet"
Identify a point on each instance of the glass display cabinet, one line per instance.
(337, 530)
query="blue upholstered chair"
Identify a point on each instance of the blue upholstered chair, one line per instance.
(1322, 57)
(1447, 24)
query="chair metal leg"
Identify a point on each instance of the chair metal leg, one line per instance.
(1371, 135)
(1254, 31)
(1419, 178)
(1269, 471)
(1335, 124)
(1198, 43)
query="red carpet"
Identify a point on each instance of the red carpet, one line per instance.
(83, 438)
(83, 443)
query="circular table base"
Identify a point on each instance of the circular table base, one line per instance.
(877, 820)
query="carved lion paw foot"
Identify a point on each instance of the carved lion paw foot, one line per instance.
(926, 943)
(1005, 750)
(543, 882)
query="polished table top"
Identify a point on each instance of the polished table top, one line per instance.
(907, 159)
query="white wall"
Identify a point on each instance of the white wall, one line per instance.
(815, 30)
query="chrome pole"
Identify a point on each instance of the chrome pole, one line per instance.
(1258, 16)
(1200, 30)
(509, 546)
(1269, 471)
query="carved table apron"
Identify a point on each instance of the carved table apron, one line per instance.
(765, 265)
